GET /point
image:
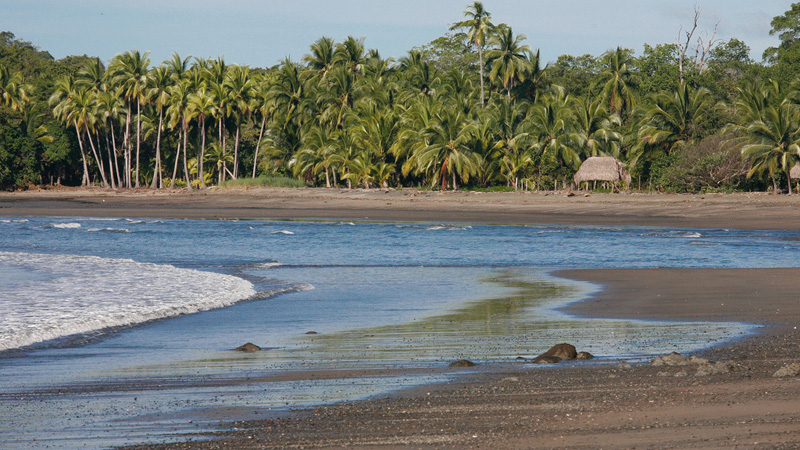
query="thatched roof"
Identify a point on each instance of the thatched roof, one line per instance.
(795, 172)
(602, 168)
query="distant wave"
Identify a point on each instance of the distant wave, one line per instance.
(64, 225)
(66, 295)
(13, 220)
(281, 232)
(110, 230)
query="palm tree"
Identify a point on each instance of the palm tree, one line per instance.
(200, 105)
(159, 83)
(447, 152)
(552, 121)
(480, 27)
(129, 72)
(13, 93)
(510, 60)
(674, 119)
(240, 88)
(350, 54)
(618, 81)
(321, 59)
(262, 105)
(179, 111)
(110, 108)
(593, 131)
(773, 143)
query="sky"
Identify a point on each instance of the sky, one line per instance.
(261, 33)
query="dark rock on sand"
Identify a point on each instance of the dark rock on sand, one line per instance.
(248, 348)
(584, 356)
(462, 363)
(311, 332)
(560, 351)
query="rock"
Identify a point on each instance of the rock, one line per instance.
(584, 356)
(311, 332)
(682, 373)
(673, 359)
(694, 360)
(561, 351)
(509, 380)
(248, 348)
(462, 363)
(546, 359)
(662, 374)
(570, 194)
(789, 370)
(624, 365)
(718, 368)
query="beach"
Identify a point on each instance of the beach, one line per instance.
(519, 405)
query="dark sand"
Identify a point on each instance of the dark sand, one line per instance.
(518, 406)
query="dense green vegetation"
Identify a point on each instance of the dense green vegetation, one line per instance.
(474, 108)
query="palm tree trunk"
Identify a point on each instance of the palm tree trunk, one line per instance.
(258, 144)
(158, 181)
(200, 173)
(138, 136)
(127, 151)
(85, 178)
(110, 162)
(235, 174)
(177, 160)
(480, 61)
(97, 158)
(116, 161)
(185, 161)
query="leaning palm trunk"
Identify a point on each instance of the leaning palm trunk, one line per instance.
(200, 173)
(185, 161)
(110, 162)
(138, 136)
(97, 158)
(158, 182)
(127, 148)
(258, 144)
(115, 169)
(177, 159)
(235, 173)
(85, 178)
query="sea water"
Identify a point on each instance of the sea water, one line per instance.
(116, 331)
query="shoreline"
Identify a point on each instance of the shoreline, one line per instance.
(522, 406)
(740, 210)
(574, 405)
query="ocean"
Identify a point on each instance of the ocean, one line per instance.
(121, 331)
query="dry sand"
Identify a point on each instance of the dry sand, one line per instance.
(517, 406)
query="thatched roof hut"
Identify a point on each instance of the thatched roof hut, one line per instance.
(602, 168)
(795, 172)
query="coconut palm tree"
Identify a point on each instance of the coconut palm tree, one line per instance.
(552, 122)
(618, 81)
(321, 59)
(594, 128)
(479, 26)
(510, 59)
(673, 119)
(447, 153)
(13, 92)
(129, 71)
(263, 106)
(179, 112)
(773, 143)
(158, 90)
(350, 54)
(201, 104)
(240, 88)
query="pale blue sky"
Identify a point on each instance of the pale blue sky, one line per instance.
(262, 33)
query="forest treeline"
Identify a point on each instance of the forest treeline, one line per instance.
(474, 108)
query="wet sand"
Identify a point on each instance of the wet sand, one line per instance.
(517, 405)
(745, 210)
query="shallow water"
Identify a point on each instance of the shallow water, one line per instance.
(404, 296)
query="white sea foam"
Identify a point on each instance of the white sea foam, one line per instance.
(66, 225)
(13, 220)
(50, 296)
(110, 230)
(281, 232)
(267, 265)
